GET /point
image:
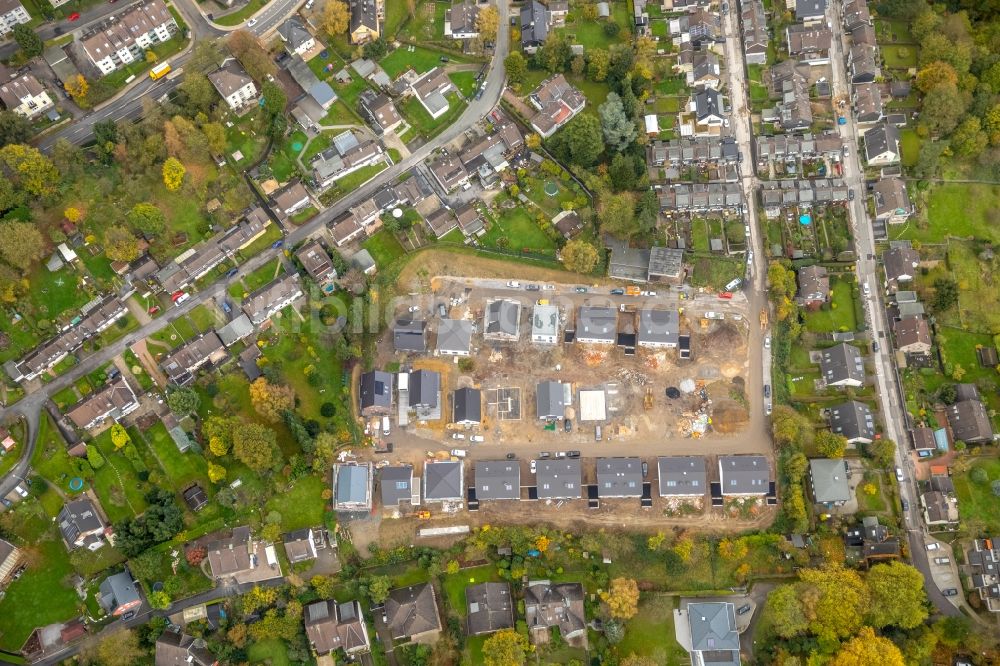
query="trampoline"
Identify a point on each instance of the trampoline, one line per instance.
(76, 483)
(297, 146)
(551, 188)
(805, 220)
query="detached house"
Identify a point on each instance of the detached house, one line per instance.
(557, 103)
(460, 20)
(175, 649)
(560, 605)
(559, 479)
(913, 335)
(714, 638)
(81, 525)
(233, 84)
(842, 365)
(502, 320)
(900, 262)
(298, 40)
(454, 337)
(497, 480)
(534, 25)
(682, 476)
(316, 262)
(882, 145)
(854, 420)
(118, 594)
(814, 286)
(892, 203)
(829, 481)
(490, 607)
(334, 626)
(444, 481)
(380, 112)
(376, 393)
(430, 90)
(352, 487)
(291, 199)
(411, 614)
(25, 96)
(366, 20)
(744, 476)
(968, 419)
(467, 407)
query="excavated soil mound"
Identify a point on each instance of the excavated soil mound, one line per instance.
(729, 416)
(724, 339)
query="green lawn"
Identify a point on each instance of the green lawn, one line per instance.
(181, 468)
(417, 115)
(454, 585)
(465, 82)
(262, 276)
(976, 501)
(384, 248)
(420, 60)
(909, 147)
(242, 14)
(868, 502)
(116, 484)
(651, 632)
(521, 232)
(271, 652)
(301, 505)
(43, 595)
(54, 294)
(715, 271)
(900, 56)
(959, 210)
(841, 314)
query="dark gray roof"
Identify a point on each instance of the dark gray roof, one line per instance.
(853, 420)
(410, 611)
(829, 480)
(173, 649)
(900, 262)
(969, 421)
(713, 631)
(117, 591)
(443, 480)
(503, 318)
(454, 335)
(619, 477)
(490, 608)
(560, 605)
(559, 479)
(396, 484)
(809, 8)
(744, 475)
(842, 363)
(294, 33)
(880, 139)
(550, 400)
(534, 23)
(425, 385)
(682, 475)
(77, 517)
(658, 326)
(707, 103)
(468, 405)
(236, 330)
(597, 323)
(409, 335)
(498, 479)
(376, 390)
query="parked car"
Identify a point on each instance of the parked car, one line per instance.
(767, 342)
(532, 287)
(511, 456)
(560, 454)
(385, 426)
(251, 23)
(443, 58)
(514, 284)
(875, 346)
(477, 438)
(544, 455)
(6, 502)
(226, 307)
(457, 435)
(231, 273)
(906, 505)
(442, 309)
(459, 453)
(942, 560)
(645, 469)
(567, 425)
(899, 474)
(597, 433)
(767, 390)
(581, 290)
(573, 454)
(617, 292)
(743, 610)
(276, 244)
(533, 466)
(548, 287)
(934, 546)
(950, 592)
(75, 16)
(19, 489)
(479, 93)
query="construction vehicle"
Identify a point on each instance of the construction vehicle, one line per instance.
(648, 399)
(632, 291)
(763, 318)
(424, 515)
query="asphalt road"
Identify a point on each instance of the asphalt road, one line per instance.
(889, 393)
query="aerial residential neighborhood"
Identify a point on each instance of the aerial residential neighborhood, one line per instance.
(478, 332)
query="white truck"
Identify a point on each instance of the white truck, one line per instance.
(385, 426)
(459, 453)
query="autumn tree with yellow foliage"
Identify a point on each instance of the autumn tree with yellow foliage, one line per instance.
(173, 174)
(622, 598)
(270, 400)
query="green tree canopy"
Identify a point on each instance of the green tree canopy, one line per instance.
(897, 596)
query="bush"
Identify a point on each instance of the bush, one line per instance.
(979, 475)
(327, 409)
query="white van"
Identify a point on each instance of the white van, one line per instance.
(385, 426)
(459, 453)
(734, 284)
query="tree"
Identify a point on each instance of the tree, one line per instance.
(259, 597)
(616, 215)
(160, 522)
(553, 53)
(147, 218)
(784, 610)
(255, 446)
(324, 586)
(969, 139)
(94, 457)
(246, 48)
(376, 49)
(622, 598)
(598, 61)
(867, 649)
(195, 555)
(216, 473)
(935, 74)
(270, 400)
(119, 437)
(215, 136)
(274, 98)
(945, 294)
(622, 172)
(619, 130)
(378, 588)
(505, 648)
(77, 87)
(517, 69)
(120, 648)
(944, 106)
(897, 594)
(173, 174)
(120, 244)
(788, 426)
(14, 128)
(336, 17)
(198, 91)
(579, 256)
(159, 599)
(21, 244)
(831, 444)
(29, 42)
(733, 549)
(580, 141)
(647, 211)
(29, 170)
(487, 22)
(834, 599)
